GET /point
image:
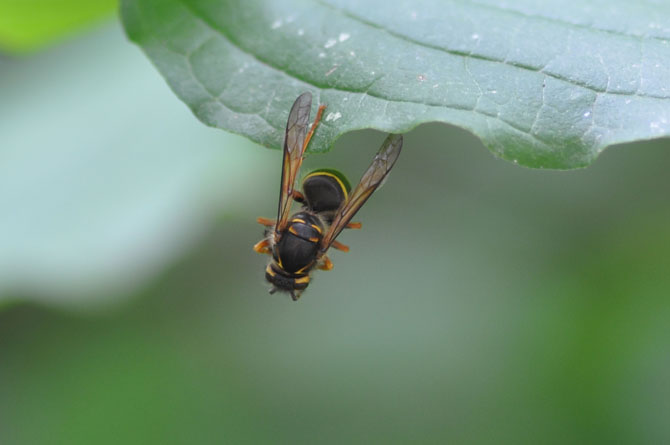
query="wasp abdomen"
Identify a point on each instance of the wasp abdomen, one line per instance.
(325, 190)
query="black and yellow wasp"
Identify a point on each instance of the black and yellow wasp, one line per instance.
(299, 243)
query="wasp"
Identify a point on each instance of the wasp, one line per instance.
(298, 243)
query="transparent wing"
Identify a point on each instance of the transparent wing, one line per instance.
(294, 149)
(372, 178)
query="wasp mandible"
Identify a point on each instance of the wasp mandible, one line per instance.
(299, 243)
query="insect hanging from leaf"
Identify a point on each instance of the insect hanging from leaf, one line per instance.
(298, 243)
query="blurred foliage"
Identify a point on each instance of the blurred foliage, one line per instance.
(30, 24)
(480, 303)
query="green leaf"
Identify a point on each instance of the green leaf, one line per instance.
(29, 24)
(545, 84)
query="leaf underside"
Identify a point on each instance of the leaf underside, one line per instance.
(544, 84)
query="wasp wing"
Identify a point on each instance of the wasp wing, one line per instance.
(372, 178)
(294, 149)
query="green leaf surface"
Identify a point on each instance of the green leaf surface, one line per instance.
(545, 84)
(29, 24)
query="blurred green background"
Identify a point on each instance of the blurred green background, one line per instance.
(481, 303)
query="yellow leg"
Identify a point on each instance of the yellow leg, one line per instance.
(325, 264)
(340, 246)
(298, 196)
(265, 221)
(262, 246)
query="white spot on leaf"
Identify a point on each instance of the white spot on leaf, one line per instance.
(276, 24)
(344, 36)
(333, 116)
(330, 43)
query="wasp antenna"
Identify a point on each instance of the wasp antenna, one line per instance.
(272, 290)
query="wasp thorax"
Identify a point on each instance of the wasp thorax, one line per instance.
(298, 245)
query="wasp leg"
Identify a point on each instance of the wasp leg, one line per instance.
(314, 124)
(340, 246)
(325, 263)
(354, 225)
(262, 246)
(265, 221)
(298, 197)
